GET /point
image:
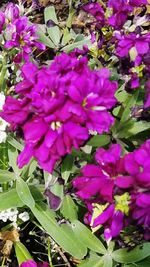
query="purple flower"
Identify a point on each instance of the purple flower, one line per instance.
(120, 11)
(111, 220)
(2, 20)
(31, 263)
(95, 10)
(137, 3)
(23, 36)
(141, 210)
(100, 180)
(147, 95)
(18, 33)
(11, 12)
(116, 191)
(58, 107)
(134, 45)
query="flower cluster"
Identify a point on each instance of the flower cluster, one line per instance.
(31, 263)
(123, 31)
(133, 45)
(116, 190)
(59, 107)
(95, 10)
(18, 33)
(121, 10)
(3, 123)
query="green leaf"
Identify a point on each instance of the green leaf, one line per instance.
(14, 143)
(108, 262)
(46, 217)
(135, 255)
(24, 193)
(54, 32)
(22, 253)
(12, 155)
(144, 263)
(99, 140)
(68, 231)
(69, 209)
(130, 102)
(138, 127)
(10, 199)
(44, 39)
(66, 167)
(80, 44)
(6, 176)
(86, 236)
(93, 261)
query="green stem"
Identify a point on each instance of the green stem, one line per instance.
(2, 74)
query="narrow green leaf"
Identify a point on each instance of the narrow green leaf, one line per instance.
(69, 209)
(24, 193)
(54, 32)
(44, 39)
(99, 140)
(130, 102)
(138, 127)
(12, 155)
(80, 44)
(46, 217)
(135, 255)
(10, 199)
(14, 143)
(66, 167)
(22, 253)
(6, 176)
(86, 236)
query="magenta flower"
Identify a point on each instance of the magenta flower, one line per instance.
(141, 210)
(95, 10)
(134, 45)
(100, 180)
(59, 107)
(18, 33)
(2, 20)
(116, 190)
(11, 12)
(31, 263)
(120, 10)
(23, 36)
(137, 3)
(147, 95)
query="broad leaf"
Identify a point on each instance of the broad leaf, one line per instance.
(24, 193)
(99, 140)
(135, 255)
(6, 176)
(69, 209)
(92, 261)
(10, 199)
(54, 32)
(46, 217)
(86, 236)
(44, 39)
